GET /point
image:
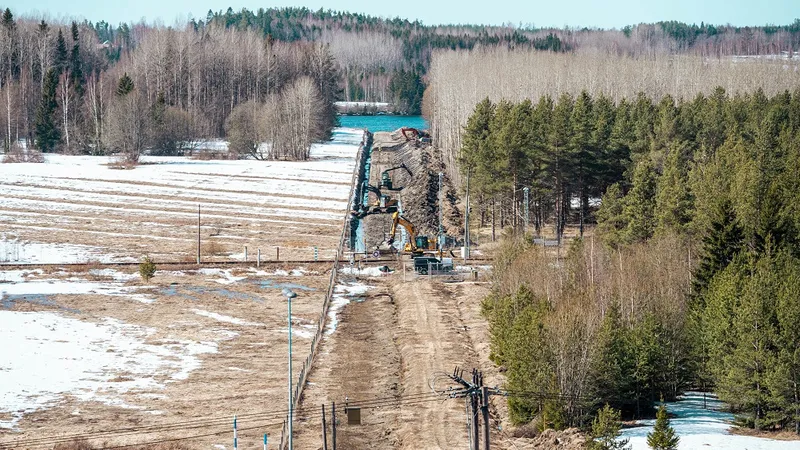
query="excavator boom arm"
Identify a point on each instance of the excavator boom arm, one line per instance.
(397, 219)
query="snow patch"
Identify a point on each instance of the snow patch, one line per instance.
(701, 428)
(18, 276)
(227, 277)
(224, 318)
(46, 356)
(38, 252)
(366, 271)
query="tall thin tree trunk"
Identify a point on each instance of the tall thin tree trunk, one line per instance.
(8, 108)
(493, 229)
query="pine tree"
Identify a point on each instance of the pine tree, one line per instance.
(147, 268)
(618, 155)
(557, 160)
(663, 435)
(583, 162)
(640, 204)
(606, 431)
(539, 131)
(47, 133)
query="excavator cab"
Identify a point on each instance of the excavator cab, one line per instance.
(386, 181)
(421, 242)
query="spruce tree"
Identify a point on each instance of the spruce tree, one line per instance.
(753, 357)
(721, 243)
(47, 133)
(663, 435)
(125, 85)
(606, 431)
(60, 59)
(640, 203)
(786, 380)
(612, 368)
(611, 221)
(674, 200)
(76, 73)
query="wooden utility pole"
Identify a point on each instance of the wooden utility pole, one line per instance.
(466, 223)
(198, 234)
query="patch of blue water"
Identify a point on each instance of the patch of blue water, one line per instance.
(8, 301)
(383, 123)
(176, 291)
(269, 284)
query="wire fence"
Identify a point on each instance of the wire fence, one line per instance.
(297, 390)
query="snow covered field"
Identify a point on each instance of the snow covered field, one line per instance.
(99, 348)
(85, 348)
(79, 209)
(701, 428)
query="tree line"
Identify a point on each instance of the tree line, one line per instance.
(690, 281)
(372, 50)
(65, 91)
(458, 80)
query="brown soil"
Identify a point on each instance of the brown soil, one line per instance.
(393, 348)
(783, 435)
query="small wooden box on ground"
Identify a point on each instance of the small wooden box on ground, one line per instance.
(353, 415)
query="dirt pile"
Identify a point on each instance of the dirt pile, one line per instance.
(417, 188)
(421, 195)
(568, 439)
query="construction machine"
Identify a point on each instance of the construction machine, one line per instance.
(386, 180)
(416, 245)
(383, 204)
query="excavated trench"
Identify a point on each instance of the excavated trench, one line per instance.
(417, 192)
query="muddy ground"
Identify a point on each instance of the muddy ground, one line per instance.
(395, 346)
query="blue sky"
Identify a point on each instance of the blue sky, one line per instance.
(605, 14)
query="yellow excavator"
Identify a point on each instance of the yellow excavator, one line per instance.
(416, 245)
(383, 204)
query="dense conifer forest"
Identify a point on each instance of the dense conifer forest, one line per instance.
(690, 279)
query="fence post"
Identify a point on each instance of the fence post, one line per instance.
(258, 258)
(265, 441)
(277, 253)
(333, 425)
(324, 430)
(245, 253)
(235, 435)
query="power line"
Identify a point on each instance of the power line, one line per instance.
(218, 421)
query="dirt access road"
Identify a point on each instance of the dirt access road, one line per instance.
(390, 346)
